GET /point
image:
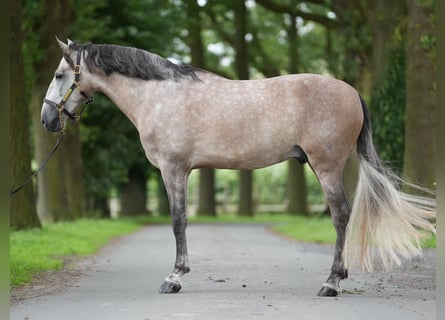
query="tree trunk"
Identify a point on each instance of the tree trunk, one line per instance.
(206, 204)
(22, 205)
(100, 205)
(73, 173)
(52, 195)
(388, 20)
(245, 197)
(296, 179)
(134, 193)
(242, 70)
(386, 15)
(206, 201)
(357, 42)
(296, 189)
(420, 113)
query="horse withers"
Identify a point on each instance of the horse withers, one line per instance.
(188, 118)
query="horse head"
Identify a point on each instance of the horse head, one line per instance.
(65, 94)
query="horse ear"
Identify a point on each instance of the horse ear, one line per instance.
(69, 42)
(65, 48)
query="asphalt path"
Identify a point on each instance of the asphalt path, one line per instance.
(237, 272)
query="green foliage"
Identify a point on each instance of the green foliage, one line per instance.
(36, 250)
(110, 143)
(387, 106)
(350, 42)
(32, 53)
(108, 154)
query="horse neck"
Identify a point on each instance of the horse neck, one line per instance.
(130, 95)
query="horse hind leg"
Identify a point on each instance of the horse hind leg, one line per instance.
(332, 185)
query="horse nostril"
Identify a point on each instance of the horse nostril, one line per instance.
(43, 121)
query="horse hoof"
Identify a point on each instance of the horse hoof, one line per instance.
(170, 287)
(327, 292)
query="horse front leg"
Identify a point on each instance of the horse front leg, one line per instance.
(176, 185)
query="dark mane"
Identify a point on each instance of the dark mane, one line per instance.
(133, 62)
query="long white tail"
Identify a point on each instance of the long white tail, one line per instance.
(385, 222)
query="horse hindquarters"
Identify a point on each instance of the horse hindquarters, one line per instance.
(327, 151)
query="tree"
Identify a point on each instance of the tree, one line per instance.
(73, 174)
(355, 39)
(246, 176)
(420, 94)
(60, 185)
(387, 68)
(206, 205)
(134, 191)
(22, 206)
(296, 180)
(109, 155)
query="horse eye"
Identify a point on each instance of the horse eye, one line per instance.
(58, 75)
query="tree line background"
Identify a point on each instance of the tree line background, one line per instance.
(385, 49)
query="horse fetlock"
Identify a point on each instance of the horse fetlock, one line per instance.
(339, 272)
(182, 266)
(186, 269)
(181, 270)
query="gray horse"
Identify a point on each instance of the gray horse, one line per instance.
(189, 118)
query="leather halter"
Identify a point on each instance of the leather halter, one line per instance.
(76, 84)
(61, 109)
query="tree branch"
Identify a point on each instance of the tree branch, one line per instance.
(217, 26)
(279, 8)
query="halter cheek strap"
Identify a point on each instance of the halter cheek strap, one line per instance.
(61, 109)
(76, 84)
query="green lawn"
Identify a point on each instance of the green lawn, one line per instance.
(37, 250)
(318, 230)
(321, 230)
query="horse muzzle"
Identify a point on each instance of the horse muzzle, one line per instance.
(51, 122)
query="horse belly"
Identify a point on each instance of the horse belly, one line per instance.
(241, 148)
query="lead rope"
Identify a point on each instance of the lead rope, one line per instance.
(56, 146)
(61, 109)
(59, 140)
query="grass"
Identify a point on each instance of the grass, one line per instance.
(318, 230)
(307, 229)
(429, 242)
(37, 250)
(321, 230)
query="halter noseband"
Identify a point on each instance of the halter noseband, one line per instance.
(76, 84)
(61, 109)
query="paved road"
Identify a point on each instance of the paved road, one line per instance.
(238, 272)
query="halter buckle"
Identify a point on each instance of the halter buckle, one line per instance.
(60, 107)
